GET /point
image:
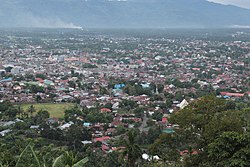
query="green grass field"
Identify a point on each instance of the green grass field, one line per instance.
(55, 110)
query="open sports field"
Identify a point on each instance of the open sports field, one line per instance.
(56, 110)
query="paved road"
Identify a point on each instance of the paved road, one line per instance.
(143, 127)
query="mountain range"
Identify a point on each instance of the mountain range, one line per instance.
(121, 14)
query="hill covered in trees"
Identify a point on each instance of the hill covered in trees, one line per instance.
(120, 14)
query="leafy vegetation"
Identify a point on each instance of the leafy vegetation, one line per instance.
(211, 132)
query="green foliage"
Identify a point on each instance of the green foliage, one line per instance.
(41, 76)
(132, 150)
(31, 110)
(38, 98)
(69, 159)
(11, 112)
(113, 159)
(202, 122)
(120, 130)
(230, 105)
(28, 157)
(108, 105)
(75, 135)
(180, 84)
(150, 122)
(72, 84)
(81, 163)
(41, 116)
(178, 96)
(135, 90)
(153, 133)
(72, 113)
(128, 104)
(103, 91)
(139, 112)
(8, 69)
(156, 97)
(227, 121)
(160, 88)
(8, 111)
(21, 126)
(35, 89)
(199, 113)
(96, 116)
(59, 161)
(50, 133)
(157, 116)
(30, 77)
(165, 147)
(88, 65)
(231, 149)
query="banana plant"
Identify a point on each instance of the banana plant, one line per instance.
(30, 153)
(69, 160)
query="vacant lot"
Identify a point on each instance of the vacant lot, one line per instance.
(55, 110)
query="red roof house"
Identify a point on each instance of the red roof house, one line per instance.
(105, 110)
(102, 139)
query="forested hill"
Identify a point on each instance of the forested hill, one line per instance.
(120, 14)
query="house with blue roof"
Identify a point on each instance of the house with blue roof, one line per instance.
(48, 82)
(6, 80)
(119, 86)
(86, 124)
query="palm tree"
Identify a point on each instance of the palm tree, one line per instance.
(132, 150)
(31, 110)
(68, 159)
(29, 157)
(20, 112)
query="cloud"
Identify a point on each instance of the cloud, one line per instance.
(240, 3)
(240, 26)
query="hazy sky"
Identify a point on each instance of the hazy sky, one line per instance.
(241, 3)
